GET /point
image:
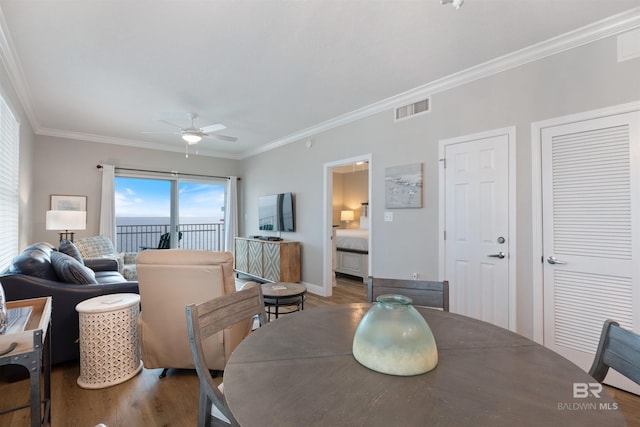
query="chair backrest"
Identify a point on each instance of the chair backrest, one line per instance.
(94, 246)
(207, 319)
(165, 240)
(422, 292)
(169, 280)
(618, 349)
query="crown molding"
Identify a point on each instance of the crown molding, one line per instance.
(177, 148)
(608, 27)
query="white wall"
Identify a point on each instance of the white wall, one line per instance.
(65, 166)
(582, 79)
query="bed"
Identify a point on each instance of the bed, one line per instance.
(352, 250)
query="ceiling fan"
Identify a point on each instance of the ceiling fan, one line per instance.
(193, 135)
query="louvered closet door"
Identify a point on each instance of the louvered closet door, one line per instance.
(590, 225)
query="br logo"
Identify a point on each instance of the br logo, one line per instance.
(584, 390)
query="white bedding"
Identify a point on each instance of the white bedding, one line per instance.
(353, 239)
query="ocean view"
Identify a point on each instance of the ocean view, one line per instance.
(164, 220)
(135, 233)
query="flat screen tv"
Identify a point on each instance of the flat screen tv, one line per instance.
(275, 212)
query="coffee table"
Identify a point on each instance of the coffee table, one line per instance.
(283, 294)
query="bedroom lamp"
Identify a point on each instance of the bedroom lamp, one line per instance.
(346, 216)
(66, 220)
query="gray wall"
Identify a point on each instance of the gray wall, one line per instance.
(582, 79)
(66, 166)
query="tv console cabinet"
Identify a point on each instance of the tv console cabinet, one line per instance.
(271, 261)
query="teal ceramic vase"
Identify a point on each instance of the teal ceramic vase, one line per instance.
(393, 338)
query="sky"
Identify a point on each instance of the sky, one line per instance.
(135, 197)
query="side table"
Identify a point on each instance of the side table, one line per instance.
(31, 348)
(109, 342)
(283, 294)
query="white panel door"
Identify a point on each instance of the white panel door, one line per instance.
(477, 228)
(590, 192)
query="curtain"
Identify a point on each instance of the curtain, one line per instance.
(107, 204)
(231, 214)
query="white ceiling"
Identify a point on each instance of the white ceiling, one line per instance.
(272, 71)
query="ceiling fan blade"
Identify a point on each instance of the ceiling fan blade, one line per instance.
(169, 123)
(222, 137)
(159, 133)
(212, 128)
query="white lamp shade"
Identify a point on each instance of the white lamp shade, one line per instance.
(66, 220)
(346, 216)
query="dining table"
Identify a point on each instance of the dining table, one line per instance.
(299, 370)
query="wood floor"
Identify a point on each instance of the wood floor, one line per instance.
(147, 400)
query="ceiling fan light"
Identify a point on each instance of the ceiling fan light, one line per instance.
(191, 138)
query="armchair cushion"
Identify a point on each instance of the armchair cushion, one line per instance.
(70, 270)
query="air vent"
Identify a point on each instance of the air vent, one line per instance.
(411, 110)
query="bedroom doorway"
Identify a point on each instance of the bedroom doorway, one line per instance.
(347, 220)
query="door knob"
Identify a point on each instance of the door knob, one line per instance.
(554, 260)
(498, 255)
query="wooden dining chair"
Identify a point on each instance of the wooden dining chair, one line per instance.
(423, 292)
(618, 349)
(205, 320)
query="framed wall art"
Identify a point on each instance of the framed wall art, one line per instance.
(68, 203)
(403, 186)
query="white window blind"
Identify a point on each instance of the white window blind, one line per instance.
(9, 174)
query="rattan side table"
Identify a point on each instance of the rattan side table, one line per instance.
(109, 342)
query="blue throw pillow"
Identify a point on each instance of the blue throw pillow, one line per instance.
(67, 247)
(70, 270)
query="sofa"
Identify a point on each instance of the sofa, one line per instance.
(94, 248)
(42, 270)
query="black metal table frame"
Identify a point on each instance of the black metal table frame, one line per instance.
(284, 301)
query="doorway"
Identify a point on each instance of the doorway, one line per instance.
(477, 222)
(347, 208)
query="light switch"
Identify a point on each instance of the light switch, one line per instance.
(388, 216)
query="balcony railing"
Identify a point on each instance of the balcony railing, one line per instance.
(132, 238)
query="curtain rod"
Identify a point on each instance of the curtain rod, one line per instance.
(168, 173)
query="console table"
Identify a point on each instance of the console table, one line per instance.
(271, 261)
(31, 348)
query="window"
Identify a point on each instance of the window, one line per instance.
(9, 179)
(147, 208)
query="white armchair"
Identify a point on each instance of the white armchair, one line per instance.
(169, 280)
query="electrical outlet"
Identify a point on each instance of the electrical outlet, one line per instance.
(388, 216)
(414, 276)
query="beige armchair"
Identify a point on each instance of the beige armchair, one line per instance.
(169, 280)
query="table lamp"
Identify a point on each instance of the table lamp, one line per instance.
(346, 216)
(66, 220)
